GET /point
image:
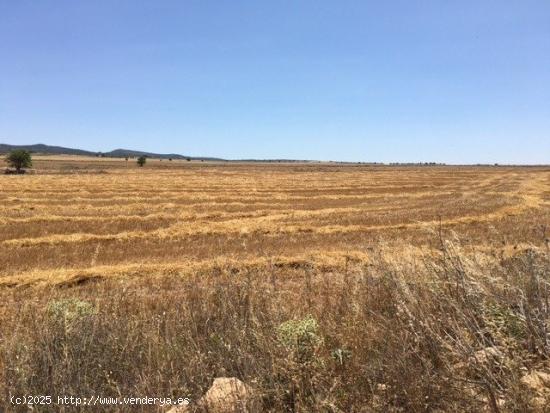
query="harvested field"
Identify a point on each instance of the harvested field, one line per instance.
(226, 252)
(190, 212)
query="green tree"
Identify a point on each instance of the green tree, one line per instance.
(18, 159)
(141, 160)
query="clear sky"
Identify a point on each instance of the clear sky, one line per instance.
(449, 81)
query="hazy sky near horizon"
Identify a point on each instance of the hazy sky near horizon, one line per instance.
(458, 82)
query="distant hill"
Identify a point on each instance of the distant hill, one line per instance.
(41, 148)
(117, 153)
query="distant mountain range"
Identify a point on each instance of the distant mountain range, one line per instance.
(117, 153)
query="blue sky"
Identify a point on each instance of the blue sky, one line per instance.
(447, 81)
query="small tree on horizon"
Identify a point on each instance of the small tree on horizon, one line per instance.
(19, 159)
(141, 160)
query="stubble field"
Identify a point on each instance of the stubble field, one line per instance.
(188, 271)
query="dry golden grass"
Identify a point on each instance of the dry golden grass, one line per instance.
(183, 212)
(267, 243)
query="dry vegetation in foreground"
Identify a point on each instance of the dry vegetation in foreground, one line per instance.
(325, 288)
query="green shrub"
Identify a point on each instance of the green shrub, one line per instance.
(19, 159)
(301, 337)
(70, 311)
(141, 160)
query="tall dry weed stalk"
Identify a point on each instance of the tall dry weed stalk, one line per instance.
(455, 334)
